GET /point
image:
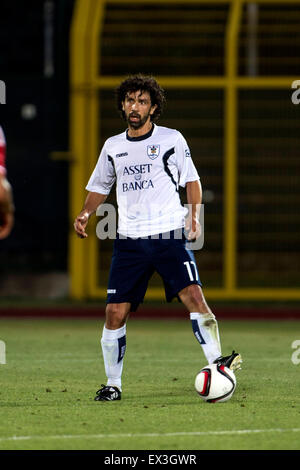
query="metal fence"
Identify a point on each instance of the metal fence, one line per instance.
(228, 69)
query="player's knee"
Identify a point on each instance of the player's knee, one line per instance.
(194, 295)
(116, 316)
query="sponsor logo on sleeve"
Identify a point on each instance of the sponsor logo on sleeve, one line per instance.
(119, 155)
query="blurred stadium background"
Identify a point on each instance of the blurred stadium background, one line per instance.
(227, 68)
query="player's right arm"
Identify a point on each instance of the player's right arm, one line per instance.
(92, 201)
(99, 186)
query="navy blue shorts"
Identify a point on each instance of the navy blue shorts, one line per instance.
(135, 260)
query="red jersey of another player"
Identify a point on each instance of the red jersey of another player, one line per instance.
(2, 152)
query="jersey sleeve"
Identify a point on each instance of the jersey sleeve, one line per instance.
(2, 152)
(103, 176)
(186, 168)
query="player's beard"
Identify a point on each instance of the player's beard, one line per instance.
(139, 122)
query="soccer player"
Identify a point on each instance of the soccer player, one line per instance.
(148, 163)
(6, 201)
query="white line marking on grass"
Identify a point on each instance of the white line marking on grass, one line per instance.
(167, 434)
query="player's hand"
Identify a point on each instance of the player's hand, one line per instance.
(193, 228)
(6, 224)
(6, 208)
(80, 224)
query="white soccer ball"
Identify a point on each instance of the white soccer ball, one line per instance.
(215, 383)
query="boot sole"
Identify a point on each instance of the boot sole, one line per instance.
(236, 363)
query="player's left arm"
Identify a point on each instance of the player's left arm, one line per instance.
(194, 199)
(6, 196)
(189, 179)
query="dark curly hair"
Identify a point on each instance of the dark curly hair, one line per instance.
(143, 83)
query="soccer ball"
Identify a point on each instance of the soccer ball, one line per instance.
(215, 383)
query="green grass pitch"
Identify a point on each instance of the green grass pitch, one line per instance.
(53, 368)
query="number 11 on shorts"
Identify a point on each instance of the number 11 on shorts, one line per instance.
(188, 265)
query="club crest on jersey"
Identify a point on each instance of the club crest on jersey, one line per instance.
(153, 151)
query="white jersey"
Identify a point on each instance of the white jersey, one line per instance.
(148, 171)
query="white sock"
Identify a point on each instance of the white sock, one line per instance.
(113, 344)
(206, 331)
